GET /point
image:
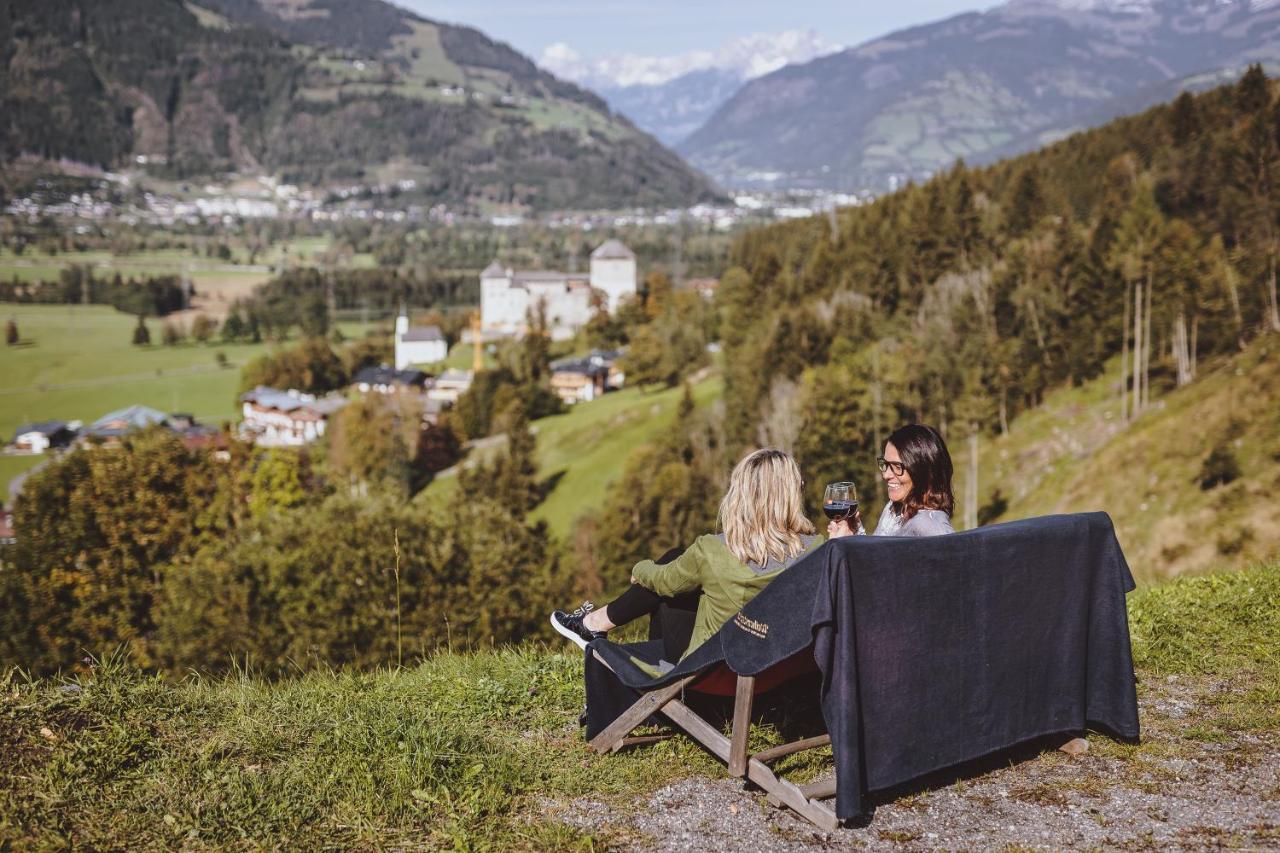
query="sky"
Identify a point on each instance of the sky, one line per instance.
(598, 29)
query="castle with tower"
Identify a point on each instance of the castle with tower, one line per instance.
(507, 295)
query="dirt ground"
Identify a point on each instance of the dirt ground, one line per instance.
(1174, 791)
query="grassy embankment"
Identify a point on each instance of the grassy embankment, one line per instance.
(476, 750)
(1074, 454)
(585, 449)
(76, 362)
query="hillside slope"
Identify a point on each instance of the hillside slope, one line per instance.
(977, 86)
(1074, 454)
(316, 92)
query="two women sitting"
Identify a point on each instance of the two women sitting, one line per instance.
(765, 531)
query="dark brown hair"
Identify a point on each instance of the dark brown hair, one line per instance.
(925, 455)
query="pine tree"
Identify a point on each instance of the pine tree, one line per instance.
(141, 335)
(1252, 92)
(11, 336)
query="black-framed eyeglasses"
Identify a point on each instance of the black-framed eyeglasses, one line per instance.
(897, 468)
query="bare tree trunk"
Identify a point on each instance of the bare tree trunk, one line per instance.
(971, 487)
(1195, 340)
(1271, 278)
(1180, 347)
(1230, 276)
(1004, 411)
(1146, 346)
(1124, 355)
(1137, 350)
(1035, 327)
(875, 395)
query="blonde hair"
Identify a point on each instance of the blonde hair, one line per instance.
(762, 514)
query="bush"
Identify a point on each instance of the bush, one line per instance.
(1220, 468)
(141, 334)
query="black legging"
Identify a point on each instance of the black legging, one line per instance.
(670, 619)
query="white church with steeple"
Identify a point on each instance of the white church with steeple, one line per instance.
(507, 295)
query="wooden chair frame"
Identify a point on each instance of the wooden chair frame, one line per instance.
(805, 800)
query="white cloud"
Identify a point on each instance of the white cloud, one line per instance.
(749, 56)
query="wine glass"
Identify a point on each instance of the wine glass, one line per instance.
(840, 500)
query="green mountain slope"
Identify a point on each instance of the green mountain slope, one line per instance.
(1075, 453)
(978, 86)
(316, 91)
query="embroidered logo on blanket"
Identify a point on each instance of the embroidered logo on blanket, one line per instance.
(751, 626)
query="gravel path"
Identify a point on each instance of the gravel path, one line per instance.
(1175, 791)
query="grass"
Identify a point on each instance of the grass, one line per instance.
(1074, 453)
(470, 751)
(585, 449)
(77, 363)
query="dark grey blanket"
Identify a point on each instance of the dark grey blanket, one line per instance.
(941, 650)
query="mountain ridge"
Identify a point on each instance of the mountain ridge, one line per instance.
(970, 86)
(318, 92)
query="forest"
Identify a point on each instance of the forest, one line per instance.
(961, 301)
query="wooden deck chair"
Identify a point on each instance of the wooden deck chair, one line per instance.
(719, 680)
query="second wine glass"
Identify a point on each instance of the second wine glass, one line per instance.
(840, 500)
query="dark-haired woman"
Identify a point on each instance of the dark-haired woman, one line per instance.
(916, 469)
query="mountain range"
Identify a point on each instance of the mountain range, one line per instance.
(977, 86)
(318, 92)
(672, 96)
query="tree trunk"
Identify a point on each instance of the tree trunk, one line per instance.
(1035, 327)
(1146, 346)
(1195, 340)
(1235, 301)
(1124, 355)
(1004, 411)
(1271, 278)
(1137, 350)
(1180, 347)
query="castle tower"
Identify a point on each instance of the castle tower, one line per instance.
(613, 271)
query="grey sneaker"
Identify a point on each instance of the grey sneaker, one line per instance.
(572, 627)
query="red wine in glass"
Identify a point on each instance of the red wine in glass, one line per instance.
(840, 500)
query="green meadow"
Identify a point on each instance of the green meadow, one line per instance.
(584, 450)
(76, 362)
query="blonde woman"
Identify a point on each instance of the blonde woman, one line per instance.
(764, 532)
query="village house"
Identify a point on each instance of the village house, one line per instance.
(385, 379)
(42, 436)
(580, 380)
(507, 295)
(197, 436)
(274, 418)
(418, 344)
(113, 426)
(449, 386)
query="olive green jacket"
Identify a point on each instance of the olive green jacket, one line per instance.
(726, 582)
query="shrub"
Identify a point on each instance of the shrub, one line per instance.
(1219, 468)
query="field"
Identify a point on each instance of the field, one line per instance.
(1074, 453)
(217, 283)
(585, 449)
(77, 363)
(481, 751)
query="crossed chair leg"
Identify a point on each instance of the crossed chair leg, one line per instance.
(804, 800)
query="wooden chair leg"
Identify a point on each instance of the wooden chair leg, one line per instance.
(645, 707)
(741, 725)
(704, 733)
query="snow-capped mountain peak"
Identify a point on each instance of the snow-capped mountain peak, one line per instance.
(747, 58)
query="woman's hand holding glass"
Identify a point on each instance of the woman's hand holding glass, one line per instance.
(840, 503)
